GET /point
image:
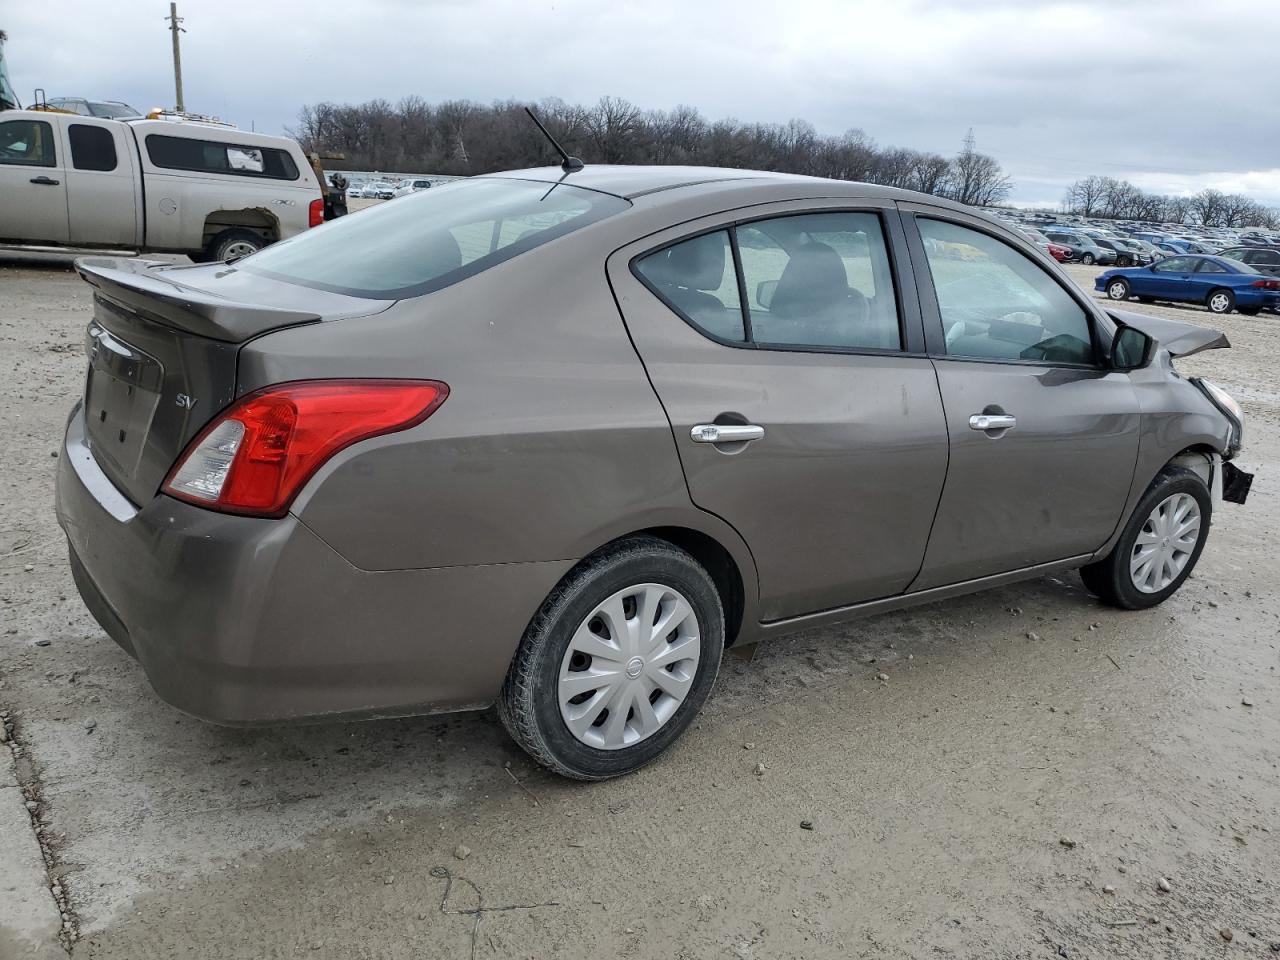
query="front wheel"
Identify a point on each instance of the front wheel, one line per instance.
(1087, 259)
(617, 662)
(1158, 547)
(1221, 301)
(1118, 289)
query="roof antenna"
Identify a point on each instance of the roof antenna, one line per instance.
(569, 164)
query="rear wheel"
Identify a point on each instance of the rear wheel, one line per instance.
(233, 244)
(1118, 289)
(1221, 301)
(1158, 547)
(1087, 259)
(617, 662)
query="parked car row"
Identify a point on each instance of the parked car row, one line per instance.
(386, 189)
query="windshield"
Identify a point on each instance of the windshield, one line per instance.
(111, 111)
(433, 238)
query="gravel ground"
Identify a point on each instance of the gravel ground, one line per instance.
(1001, 795)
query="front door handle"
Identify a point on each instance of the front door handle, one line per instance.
(725, 432)
(992, 421)
(45, 181)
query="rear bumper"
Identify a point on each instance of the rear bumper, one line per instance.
(238, 620)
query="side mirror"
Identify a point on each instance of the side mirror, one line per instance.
(1131, 349)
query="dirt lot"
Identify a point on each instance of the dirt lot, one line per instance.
(1033, 767)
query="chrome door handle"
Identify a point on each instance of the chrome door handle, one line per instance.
(725, 432)
(992, 421)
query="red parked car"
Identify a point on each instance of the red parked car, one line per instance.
(1059, 252)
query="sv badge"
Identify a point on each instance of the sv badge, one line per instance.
(185, 401)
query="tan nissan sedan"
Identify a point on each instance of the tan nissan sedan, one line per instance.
(552, 439)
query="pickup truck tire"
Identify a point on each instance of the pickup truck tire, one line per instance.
(232, 245)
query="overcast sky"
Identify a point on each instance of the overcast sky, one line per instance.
(1175, 95)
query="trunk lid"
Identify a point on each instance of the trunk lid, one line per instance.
(162, 348)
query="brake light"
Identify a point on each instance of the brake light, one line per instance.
(1267, 284)
(257, 454)
(315, 213)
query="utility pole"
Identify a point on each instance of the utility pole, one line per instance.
(174, 21)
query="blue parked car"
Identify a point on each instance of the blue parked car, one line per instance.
(1220, 283)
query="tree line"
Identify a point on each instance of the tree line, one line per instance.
(1112, 199)
(461, 137)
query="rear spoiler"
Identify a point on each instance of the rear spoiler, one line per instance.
(136, 284)
(1181, 339)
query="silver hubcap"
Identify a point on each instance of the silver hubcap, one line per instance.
(238, 249)
(1218, 303)
(1117, 291)
(1165, 543)
(629, 666)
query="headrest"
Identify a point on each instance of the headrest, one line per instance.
(696, 264)
(813, 280)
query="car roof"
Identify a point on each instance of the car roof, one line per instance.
(629, 182)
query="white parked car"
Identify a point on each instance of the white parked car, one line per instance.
(212, 192)
(380, 190)
(412, 185)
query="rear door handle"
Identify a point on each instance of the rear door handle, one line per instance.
(725, 432)
(992, 421)
(45, 181)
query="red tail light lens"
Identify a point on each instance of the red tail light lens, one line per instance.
(315, 213)
(1267, 284)
(257, 454)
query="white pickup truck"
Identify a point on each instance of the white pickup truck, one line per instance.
(211, 192)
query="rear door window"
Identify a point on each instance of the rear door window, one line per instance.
(1212, 266)
(92, 147)
(998, 304)
(433, 238)
(819, 280)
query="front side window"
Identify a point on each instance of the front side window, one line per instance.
(1175, 265)
(998, 304)
(92, 148)
(820, 280)
(211, 156)
(27, 143)
(433, 238)
(696, 277)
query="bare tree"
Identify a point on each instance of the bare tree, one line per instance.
(976, 178)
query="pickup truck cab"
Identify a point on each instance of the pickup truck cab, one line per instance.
(210, 191)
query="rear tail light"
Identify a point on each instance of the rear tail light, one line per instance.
(1267, 284)
(315, 213)
(257, 454)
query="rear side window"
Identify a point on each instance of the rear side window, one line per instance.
(821, 280)
(1210, 266)
(433, 238)
(997, 304)
(697, 278)
(27, 143)
(92, 148)
(211, 156)
(813, 280)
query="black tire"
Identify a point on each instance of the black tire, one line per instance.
(1087, 259)
(231, 242)
(1109, 579)
(1249, 311)
(1220, 301)
(1119, 289)
(528, 704)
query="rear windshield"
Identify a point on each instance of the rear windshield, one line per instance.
(431, 239)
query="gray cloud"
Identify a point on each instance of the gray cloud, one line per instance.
(1174, 95)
